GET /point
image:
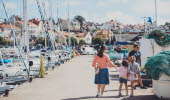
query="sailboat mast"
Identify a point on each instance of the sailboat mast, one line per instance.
(69, 40)
(57, 10)
(26, 44)
(45, 36)
(50, 9)
(14, 30)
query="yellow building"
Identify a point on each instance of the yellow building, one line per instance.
(103, 34)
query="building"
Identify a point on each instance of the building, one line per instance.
(6, 31)
(35, 27)
(103, 34)
(86, 36)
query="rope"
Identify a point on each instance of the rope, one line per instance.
(156, 35)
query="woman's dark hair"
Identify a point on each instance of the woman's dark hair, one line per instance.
(125, 63)
(100, 53)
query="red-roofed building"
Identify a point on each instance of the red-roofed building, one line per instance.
(86, 36)
(6, 31)
(35, 27)
(8, 27)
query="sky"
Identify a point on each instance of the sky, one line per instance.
(124, 11)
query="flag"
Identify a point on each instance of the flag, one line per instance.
(149, 20)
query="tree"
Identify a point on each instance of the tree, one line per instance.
(80, 19)
(3, 41)
(40, 41)
(82, 42)
(107, 42)
(73, 41)
(97, 40)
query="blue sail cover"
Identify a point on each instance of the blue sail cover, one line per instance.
(5, 61)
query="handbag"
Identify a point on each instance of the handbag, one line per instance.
(97, 70)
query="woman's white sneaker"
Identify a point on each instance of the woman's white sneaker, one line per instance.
(98, 94)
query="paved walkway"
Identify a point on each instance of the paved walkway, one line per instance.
(73, 81)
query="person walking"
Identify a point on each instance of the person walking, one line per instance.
(123, 75)
(101, 62)
(137, 54)
(134, 69)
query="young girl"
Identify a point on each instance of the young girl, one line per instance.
(123, 74)
(134, 69)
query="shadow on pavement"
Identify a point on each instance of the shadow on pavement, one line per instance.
(114, 77)
(114, 90)
(144, 97)
(81, 98)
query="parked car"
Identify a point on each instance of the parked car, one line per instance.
(88, 51)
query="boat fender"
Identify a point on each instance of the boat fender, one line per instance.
(6, 93)
(49, 58)
(1, 76)
(30, 63)
(30, 79)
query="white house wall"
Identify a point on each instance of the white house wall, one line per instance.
(88, 38)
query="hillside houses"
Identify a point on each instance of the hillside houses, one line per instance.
(89, 29)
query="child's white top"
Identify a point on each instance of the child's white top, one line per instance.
(123, 71)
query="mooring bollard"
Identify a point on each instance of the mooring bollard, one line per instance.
(42, 69)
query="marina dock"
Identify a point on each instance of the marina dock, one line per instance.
(74, 80)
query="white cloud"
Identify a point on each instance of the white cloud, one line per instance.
(147, 7)
(74, 3)
(124, 1)
(122, 17)
(115, 15)
(10, 5)
(118, 1)
(162, 20)
(101, 3)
